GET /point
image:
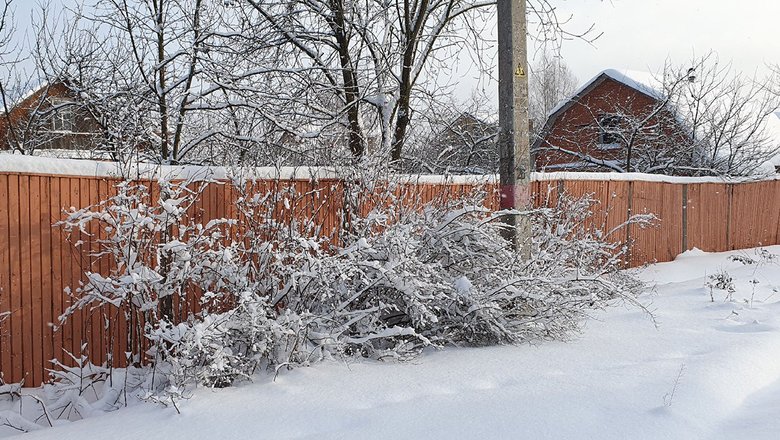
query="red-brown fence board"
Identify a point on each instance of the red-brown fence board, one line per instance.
(26, 302)
(14, 323)
(755, 214)
(664, 241)
(5, 275)
(38, 261)
(57, 257)
(707, 215)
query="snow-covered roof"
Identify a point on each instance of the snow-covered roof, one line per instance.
(24, 96)
(643, 82)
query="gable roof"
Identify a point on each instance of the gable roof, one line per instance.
(642, 82)
(46, 89)
(21, 99)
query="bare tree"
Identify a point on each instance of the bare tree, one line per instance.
(549, 83)
(265, 81)
(24, 116)
(370, 59)
(382, 63)
(726, 116)
(145, 71)
(7, 65)
(454, 138)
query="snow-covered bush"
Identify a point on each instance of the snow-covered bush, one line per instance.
(78, 391)
(158, 250)
(446, 277)
(393, 281)
(218, 348)
(75, 392)
(231, 270)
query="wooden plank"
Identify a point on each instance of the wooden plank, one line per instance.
(211, 190)
(777, 208)
(47, 275)
(15, 252)
(6, 367)
(768, 197)
(76, 270)
(26, 280)
(707, 216)
(95, 316)
(108, 321)
(748, 214)
(57, 236)
(730, 217)
(617, 204)
(68, 262)
(773, 220)
(36, 273)
(119, 326)
(222, 201)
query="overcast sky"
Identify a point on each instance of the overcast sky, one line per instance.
(641, 34)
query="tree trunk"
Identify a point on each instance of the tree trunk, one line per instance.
(357, 143)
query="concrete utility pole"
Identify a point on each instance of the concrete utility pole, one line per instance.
(514, 149)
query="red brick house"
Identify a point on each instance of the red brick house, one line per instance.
(617, 121)
(47, 118)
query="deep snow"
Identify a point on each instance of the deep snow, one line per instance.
(615, 381)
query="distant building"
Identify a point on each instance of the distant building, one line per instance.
(467, 145)
(610, 115)
(48, 118)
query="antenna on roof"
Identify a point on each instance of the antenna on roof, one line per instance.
(691, 75)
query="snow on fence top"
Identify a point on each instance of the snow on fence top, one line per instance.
(643, 177)
(14, 163)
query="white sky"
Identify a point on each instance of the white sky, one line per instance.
(641, 34)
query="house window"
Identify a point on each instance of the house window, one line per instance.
(609, 131)
(64, 116)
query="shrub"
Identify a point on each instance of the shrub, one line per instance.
(278, 294)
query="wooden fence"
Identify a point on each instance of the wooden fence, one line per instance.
(38, 263)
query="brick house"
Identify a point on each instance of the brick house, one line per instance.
(617, 121)
(48, 118)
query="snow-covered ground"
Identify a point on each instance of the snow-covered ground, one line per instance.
(709, 370)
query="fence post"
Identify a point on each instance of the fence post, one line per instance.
(729, 213)
(561, 189)
(629, 206)
(684, 217)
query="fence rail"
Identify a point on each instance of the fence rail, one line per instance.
(37, 262)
